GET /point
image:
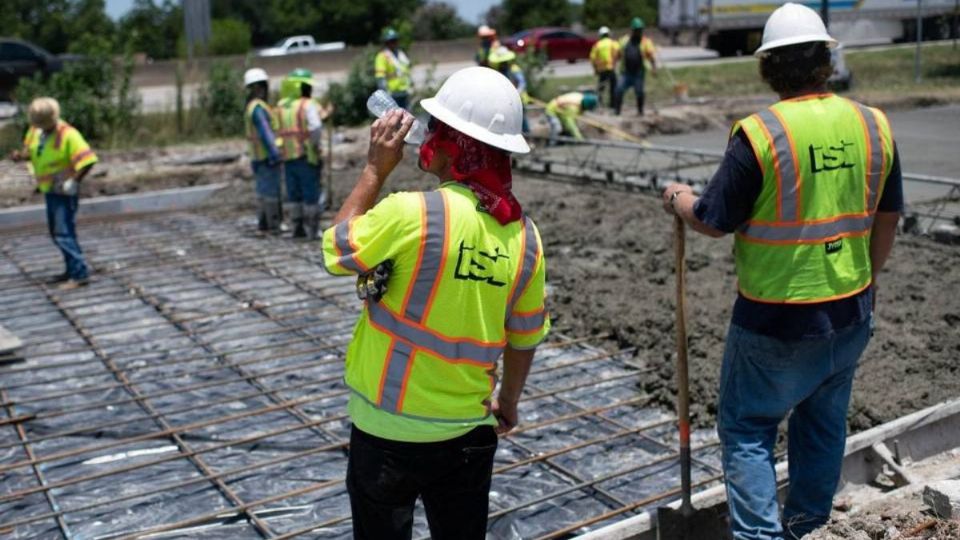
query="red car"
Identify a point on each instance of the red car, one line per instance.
(560, 43)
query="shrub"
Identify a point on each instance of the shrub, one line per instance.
(222, 100)
(439, 21)
(535, 68)
(350, 98)
(230, 36)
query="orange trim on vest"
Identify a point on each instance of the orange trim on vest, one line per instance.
(406, 378)
(443, 263)
(807, 221)
(523, 249)
(755, 240)
(796, 165)
(394, 337)
(420, 251)
(776, 167)
(383, 374)
(869, 153)
(817, 301)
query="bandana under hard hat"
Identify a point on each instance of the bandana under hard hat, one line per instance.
(479, 166)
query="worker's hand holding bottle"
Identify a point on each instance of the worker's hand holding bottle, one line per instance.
(386, 142)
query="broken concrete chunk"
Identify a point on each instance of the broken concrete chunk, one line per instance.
(943, 498)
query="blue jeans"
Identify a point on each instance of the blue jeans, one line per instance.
(267, 179)
(62, 224)
(630, 80)
(303, 181)
(762, 380)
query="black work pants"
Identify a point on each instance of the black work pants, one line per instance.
(384, 479)
(607, 79)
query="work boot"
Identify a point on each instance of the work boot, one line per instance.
(261, 218)
(270, 210)
(71, 284)
(311, 220)
(295, 211)
(59, 278)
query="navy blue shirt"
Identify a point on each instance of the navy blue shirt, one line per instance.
(726, 204)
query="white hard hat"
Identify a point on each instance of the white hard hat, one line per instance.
(603, 30)
(483, 104)
(792, 24)
(254, 75)
(486, 31)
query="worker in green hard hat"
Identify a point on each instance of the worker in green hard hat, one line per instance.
(391, 67)
(638, 54)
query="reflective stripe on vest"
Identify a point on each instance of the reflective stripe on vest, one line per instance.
(408, 331)
(293, 130)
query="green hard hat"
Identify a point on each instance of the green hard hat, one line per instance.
(389, 34)
(636, 24)
(301, 75)
(589, 101)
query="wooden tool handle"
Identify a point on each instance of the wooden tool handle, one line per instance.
(683, 395)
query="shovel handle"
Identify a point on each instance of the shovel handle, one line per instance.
(683, 395)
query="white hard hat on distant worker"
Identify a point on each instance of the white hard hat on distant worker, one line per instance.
(254, 75)
(604, 31)
(792, 24)
(483, 104)
(486, 31)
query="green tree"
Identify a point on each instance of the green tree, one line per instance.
(350, 99)
(617, 13)
(229, 36)
(55, 24)
(439, 21)
(222, 100)
(152, 28)
(521, 14)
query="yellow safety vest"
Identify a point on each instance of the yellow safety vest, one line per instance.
(395, 68)
(63, 154)
(603, 55)
(462, 287)
(295, 137)
(483, 55)
(258, 151)
(825, 161)
(568, 105)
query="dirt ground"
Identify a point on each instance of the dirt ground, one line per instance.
(610, 272)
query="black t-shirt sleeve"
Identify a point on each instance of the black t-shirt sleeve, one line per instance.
(728, 199)
(891, 200)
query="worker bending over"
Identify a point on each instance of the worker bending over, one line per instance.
(391, 67)
(603, 57)
(60, 159)
(639, 55)
(260, 125)
(301, 125)
(563, 110)
(451, 279)
(811, 187)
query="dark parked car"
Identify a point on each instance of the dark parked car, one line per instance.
(559, 43)
(20, 59)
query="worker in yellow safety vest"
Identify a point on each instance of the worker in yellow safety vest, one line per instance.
(260, 127)
(505, 61)
(638, 55)
(563, 110)
(603, 57)
(812, 189)
(300, 119)
(391, 68)
(60, 159)
(451, 280)
(488, 44)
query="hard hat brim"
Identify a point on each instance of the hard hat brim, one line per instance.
(795, 40)
(515, 144)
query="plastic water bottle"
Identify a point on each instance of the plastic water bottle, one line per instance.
(380, 103)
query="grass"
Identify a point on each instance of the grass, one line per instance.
(878, 75)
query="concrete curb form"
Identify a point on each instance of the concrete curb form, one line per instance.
(137, 203)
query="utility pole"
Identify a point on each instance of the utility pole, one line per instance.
(916, 57)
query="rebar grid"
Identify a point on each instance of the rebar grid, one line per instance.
(311, 330)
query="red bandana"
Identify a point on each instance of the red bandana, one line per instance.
(481, 167)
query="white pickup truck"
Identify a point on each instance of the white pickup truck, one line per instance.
(298, 45)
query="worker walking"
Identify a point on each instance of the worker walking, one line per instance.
(391, 67)
(60, 159)
(451, 279)
(488, 44)
(563, 110)
(603, 57)
(260, 127)
(638, 55)
(812, 188)
(301, 124)
(505, 61)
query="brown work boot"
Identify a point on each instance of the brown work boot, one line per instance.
(71, 284)
(59, 278)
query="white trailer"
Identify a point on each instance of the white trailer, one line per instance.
(735, 26)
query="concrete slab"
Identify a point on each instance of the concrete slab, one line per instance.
(9, 342)
(136, 203)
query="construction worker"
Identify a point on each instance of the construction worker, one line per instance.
(60, 159)
(563, 110)
(505, 61)
(301, 124)
(488, 44)
(638, 55)
(452, 279)
(603, 57)
(811, 186)
(391, 68)
(260, 127)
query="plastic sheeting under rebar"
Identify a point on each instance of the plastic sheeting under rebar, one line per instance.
(196, 386)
